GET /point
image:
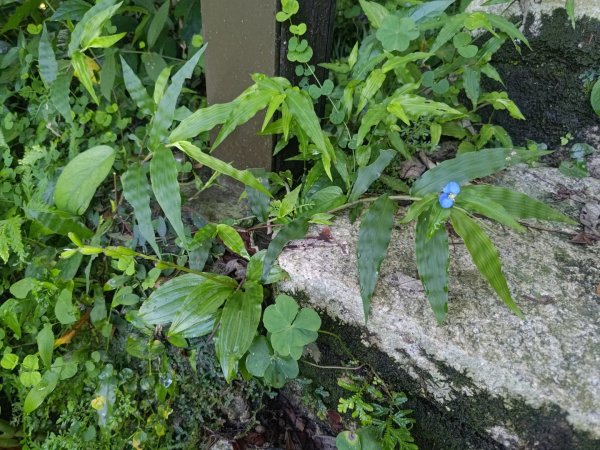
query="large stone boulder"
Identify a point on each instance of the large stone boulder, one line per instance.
(484, 379)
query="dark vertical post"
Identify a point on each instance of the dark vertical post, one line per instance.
(242, 39)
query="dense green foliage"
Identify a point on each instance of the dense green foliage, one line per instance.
(107, 289)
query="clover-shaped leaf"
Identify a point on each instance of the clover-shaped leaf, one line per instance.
(263, 362)
(290, 330)
(396, 33)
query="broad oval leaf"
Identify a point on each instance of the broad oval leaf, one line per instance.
(232, 240)
(197, 315)
(239, 322)
(164, 303)
(37, 394)
(45, 342)
(432, 263)
(373, 240)
(80, 178)
(484, 255)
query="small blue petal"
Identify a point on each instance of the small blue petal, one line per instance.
(451, 188)
(445, 201)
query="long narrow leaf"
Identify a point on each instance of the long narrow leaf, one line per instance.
(484, 255)
(367, 175)
(82, 72)
(432, 263)
(59, 95)
(296, 229)
(488, 208)
(232, 240)
(466, 167)
(47, 60)
(166, 108)
(239, 322)
(204, 119)
(243, 176)
(373, 241)
(163, 174)
(136, 89)
(517, 204)
(158, 23)
(135, 190)
(301, 108)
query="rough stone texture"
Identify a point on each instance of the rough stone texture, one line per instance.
(532, 383)
(538, 8)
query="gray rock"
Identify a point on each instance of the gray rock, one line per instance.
(546, 366)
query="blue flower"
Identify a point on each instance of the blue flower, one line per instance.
(449, 193)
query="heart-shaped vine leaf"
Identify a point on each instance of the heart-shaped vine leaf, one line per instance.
(290, 330)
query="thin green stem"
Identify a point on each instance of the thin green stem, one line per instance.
(331, 367)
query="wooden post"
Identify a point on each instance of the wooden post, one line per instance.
(243, 37)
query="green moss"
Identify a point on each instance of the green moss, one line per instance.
(458, 424)
(550, 83)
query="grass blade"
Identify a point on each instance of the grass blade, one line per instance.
(243, 176)
(163, 174)
(136, 89)
(373, 241)
(157, 24)
(367, 175)
(484, 255)
(432, 263)
(517, 204)
(135, 190)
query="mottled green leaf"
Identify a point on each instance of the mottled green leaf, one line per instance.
(296, 229)
(47, 60)
(466, 167)
(59, 222)
(165, 111)
(157, 23)
(432, 263)
(163, 174)
(239, 322)
(367, 175)
(243, 176)
(484, 255)
(136, 89)
(80, 178)
(517, 204)
(108, 74)
(161, 84)
(135, 190)
(59, 95)
(471, 79)
(487, 207)
(373, 240)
